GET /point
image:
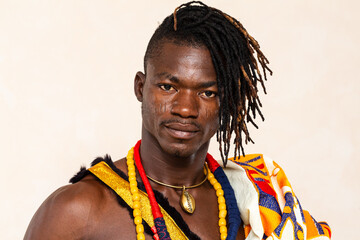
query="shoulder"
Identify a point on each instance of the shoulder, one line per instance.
(252, 160)
(70, 211)
(257, 163)
(261, 174)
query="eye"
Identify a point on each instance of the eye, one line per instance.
(166, 87)
(208, 94)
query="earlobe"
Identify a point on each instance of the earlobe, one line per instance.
(139, 85)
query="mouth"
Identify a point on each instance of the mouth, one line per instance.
(182, 131)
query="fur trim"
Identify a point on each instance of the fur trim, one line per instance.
(80, 175)
(159, 197)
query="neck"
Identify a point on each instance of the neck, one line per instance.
(171, 168)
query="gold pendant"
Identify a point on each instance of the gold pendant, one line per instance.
(187, 201)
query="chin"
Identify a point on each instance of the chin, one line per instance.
(181, 149)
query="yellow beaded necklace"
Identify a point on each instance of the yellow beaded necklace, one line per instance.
(136, 198)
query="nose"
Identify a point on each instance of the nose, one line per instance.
(185, 104)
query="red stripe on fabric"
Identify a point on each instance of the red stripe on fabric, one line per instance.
(266, 188)
(257, 173)
(261, 166)
(253, 172)
(262, 185)
(154, 205)
(212, 163)
(328, 229)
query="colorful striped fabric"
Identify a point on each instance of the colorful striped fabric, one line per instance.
(268, 206)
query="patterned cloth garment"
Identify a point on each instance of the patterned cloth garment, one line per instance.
(268, 206)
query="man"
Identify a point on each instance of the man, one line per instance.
(200, 79)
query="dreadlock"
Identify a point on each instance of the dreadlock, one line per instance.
(232, 50)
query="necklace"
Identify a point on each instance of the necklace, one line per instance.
(159, 223)
(187, 201)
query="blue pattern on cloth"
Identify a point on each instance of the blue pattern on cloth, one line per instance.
(301, 210)
(161, 229)
(289, 198)
(246, 163)
(318, 226)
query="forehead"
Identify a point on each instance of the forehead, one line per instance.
(182, 60)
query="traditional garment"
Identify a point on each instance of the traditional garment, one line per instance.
(259, 206)
(257, 201)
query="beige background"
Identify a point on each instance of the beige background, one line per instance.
(66, 96)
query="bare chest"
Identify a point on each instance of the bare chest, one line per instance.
(115, 222)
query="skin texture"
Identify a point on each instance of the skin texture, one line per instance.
(180, 114)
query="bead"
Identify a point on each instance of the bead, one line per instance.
(223, 229)
(136, 197)
(222, 213)
(217, 186)
(153, 229)
(137, 220)
(139, 228)
(136, 212)
(221, 199)
(136, 204)
(133, 184)
(222, 206)
(222, 222)
(210, 176)
(140, 236)
(132, 179)
(223, 236)
(213, 181)
(134, 190)
(219, 192)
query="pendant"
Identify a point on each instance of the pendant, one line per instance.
(187, 201)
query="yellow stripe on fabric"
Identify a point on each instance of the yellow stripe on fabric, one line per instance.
(104, 172)
(270, 219)
(282, 179)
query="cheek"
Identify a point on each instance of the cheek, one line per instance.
(211, 113)
(152, 107)
(212, 117)
(213, 110)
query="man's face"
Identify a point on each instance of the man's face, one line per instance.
(179, 99)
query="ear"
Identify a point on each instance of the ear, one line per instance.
(139, 82)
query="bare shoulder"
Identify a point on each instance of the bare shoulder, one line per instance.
(70, 212)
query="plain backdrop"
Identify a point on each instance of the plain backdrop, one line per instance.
(66, 96)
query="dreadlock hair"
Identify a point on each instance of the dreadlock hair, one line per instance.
(232, 51)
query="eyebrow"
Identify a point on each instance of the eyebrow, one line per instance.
(168, 76)
(177, 80)
(207, 84)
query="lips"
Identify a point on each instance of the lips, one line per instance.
(181, 130)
